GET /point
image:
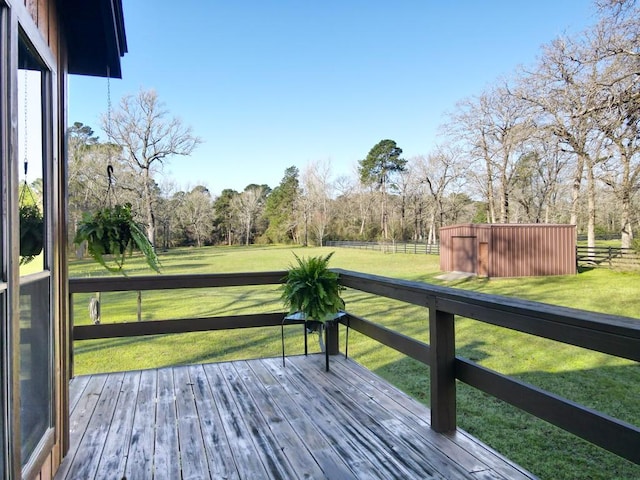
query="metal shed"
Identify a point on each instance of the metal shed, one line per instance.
(508, 250)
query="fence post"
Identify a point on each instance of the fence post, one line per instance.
(443, 382)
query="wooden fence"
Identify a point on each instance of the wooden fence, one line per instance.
(612, 257)
(390, 247)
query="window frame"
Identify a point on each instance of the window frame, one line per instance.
(29, 34)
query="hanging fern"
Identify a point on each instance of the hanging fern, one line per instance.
(112, 231)
(311, 288)
(31, 232)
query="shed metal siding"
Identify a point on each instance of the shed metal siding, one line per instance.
(516, 250)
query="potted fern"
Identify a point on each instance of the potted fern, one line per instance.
(312, 290)
(112, 231)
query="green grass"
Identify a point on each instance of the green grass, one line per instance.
(608, 384)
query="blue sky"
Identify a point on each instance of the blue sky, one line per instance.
(270, 84)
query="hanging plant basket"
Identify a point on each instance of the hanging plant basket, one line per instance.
(31, 226)
(111, 232)
(31, 232)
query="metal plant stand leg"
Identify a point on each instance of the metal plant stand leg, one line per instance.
(326, 350)
(346, 343)
(282, 332)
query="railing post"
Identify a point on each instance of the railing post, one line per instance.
(332, 346)
(443, 381)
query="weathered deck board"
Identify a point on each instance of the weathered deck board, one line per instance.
(257, 420)
(141, 447)
(95, 436)
(118, 438)
(218, 452)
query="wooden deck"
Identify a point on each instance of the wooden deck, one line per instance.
(257, 420)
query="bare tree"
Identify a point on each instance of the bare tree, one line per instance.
(471, 125)
(443, 172)
(538, 180)
(316, 184)
(613, 50)
(564, 90)
(247, 206)
(346, 222)
(195, 214)
(148, 135)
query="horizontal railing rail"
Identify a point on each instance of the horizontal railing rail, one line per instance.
(169, 282)
(614, 335)
(183, 325)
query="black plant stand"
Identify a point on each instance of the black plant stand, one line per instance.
(313, 325)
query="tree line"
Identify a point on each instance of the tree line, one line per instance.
(556, 142)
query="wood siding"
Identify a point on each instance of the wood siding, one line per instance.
(513, 250)
(44, 15)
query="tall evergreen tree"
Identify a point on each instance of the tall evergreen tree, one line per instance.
(223, 221)
(281, 206)
(378, 169)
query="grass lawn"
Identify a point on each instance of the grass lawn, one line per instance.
(599, 381)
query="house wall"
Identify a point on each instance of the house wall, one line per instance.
(45, 40)
(39, 21)
(44, 14)
(512, 250)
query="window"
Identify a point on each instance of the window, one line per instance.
(5, 377)
(35, 301)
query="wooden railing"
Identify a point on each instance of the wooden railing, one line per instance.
(618, 336)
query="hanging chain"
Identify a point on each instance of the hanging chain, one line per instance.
(108, 100)
(26, 143)
(25, 189)
(110, 177)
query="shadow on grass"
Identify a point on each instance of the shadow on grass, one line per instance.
(159, 351)
(541, 448)
(87, 346)
(182, 267)
(583, 269)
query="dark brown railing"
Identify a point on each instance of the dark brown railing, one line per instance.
(618, 336)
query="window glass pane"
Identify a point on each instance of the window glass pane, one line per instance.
(30, 143)
(4, 327)
(36, 337)
(4, 380)
(35, 369)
